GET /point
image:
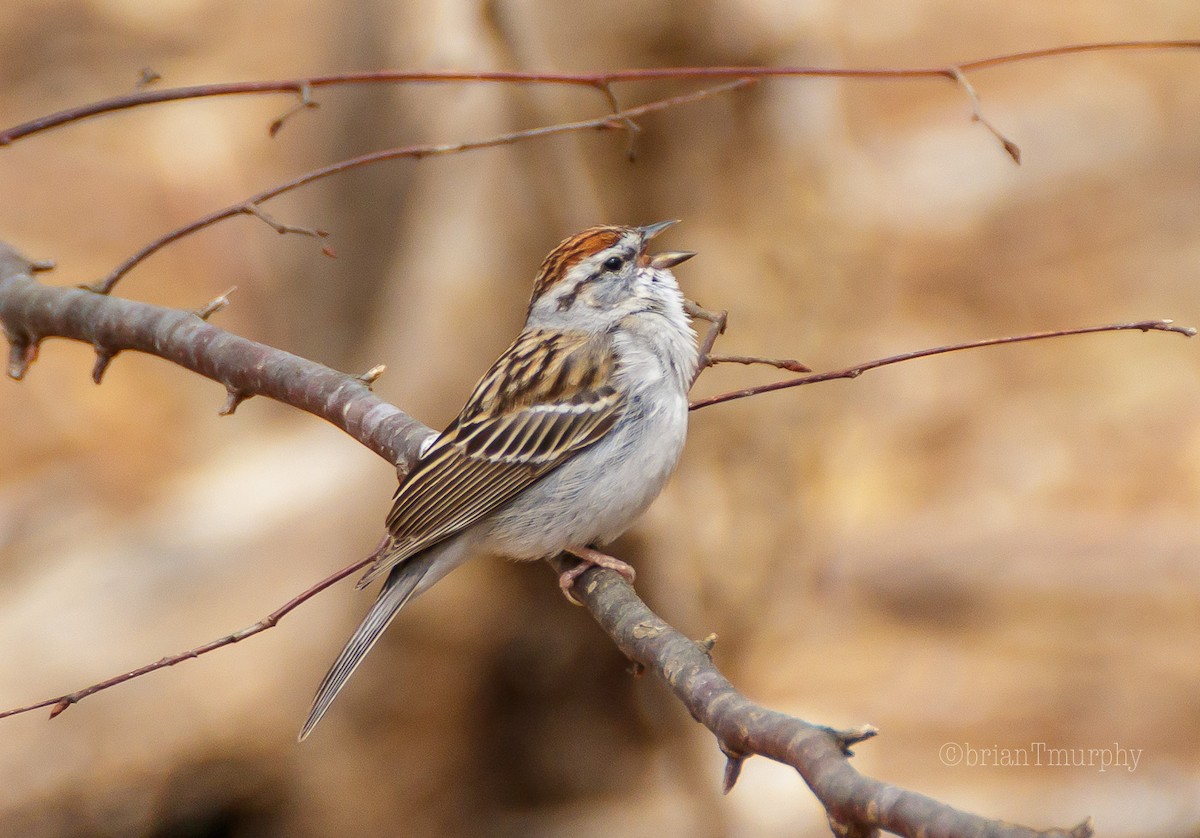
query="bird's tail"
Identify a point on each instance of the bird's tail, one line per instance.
(408, 579)
(399, 588)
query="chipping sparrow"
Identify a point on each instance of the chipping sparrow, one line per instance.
(564, 442)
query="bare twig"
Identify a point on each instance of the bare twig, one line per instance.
(62, 702)
(598, 81)
(631, 127)
(1013, 150)
(717, 320)
(305, 103)
(859, 369)
(779, 363)
(252, 208)
(252, 204)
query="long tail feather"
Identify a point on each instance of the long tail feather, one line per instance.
(399, 588)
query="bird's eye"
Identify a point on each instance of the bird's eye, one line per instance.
(613, 263)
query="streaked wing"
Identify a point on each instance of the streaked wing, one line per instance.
(545, 399)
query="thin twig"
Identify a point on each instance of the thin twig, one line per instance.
(305, 103)
(747, 360)
(717, 321)
(62, 702)
(1014, 151)
(859, 369)
(593, 80)
(630, 126)
(252, 208)
(252, 204)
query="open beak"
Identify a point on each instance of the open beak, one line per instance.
(671, 258)
(652, 230)
(663, 260)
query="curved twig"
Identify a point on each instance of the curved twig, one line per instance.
(603, 81)
(250, 206)
(858, 369)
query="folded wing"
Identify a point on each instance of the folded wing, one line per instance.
(548, 397)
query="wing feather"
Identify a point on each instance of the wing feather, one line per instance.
(546, 398)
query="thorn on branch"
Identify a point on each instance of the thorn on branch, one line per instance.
(40, 265)
(235, 398)
(146, 77)
(372, 375)
(733, 768)
(1013, 150)
(100, 286)
(706, 645)
(21, 353)
(1085, 829)
(847, 829)
(104, 356)
(852, 736)
(306, 102)
(217, 304)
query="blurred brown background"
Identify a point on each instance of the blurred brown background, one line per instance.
(991, 549)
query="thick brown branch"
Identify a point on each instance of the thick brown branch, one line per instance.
(31, 312)
(743, 728)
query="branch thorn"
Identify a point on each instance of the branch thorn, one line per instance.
(733, 768)
(40, 265)
(235, 398)
(852, 736)
(21, 353)
(372, 375)
(146, 77)
(217, 304)
(1084, 830)
(103, 356)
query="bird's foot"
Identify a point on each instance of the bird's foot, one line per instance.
(589, 557)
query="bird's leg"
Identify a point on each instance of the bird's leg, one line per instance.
(590, 557)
